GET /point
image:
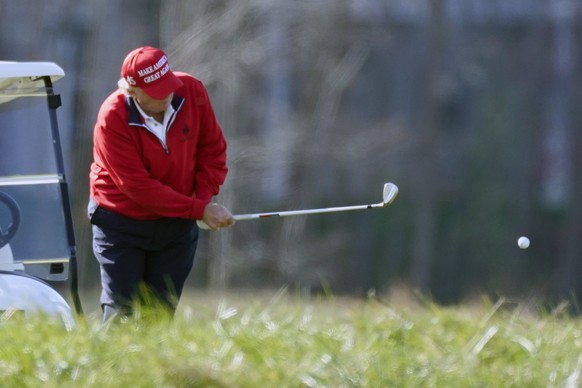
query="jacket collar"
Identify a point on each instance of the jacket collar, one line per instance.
(134, 117)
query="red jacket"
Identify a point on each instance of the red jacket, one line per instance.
(132, 174)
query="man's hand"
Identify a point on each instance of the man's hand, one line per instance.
(217, 216)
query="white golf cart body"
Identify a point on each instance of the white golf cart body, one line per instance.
(37, 244)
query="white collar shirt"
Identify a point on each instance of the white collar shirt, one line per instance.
(155, 127)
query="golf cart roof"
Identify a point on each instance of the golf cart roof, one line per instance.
(25, 79)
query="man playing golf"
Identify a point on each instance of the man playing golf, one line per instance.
(159, 156)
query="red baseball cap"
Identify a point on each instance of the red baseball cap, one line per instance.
(147, 68)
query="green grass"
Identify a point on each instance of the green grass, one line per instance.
(284, 341)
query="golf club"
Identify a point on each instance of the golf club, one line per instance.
(388, 195)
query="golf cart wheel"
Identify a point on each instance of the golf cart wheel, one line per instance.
(9, 202)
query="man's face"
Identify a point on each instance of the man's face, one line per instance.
(150, 105)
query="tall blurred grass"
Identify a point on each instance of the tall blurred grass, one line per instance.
(286, 341)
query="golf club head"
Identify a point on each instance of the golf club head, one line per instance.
(390, 193)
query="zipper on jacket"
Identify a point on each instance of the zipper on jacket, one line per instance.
(163, 143)
(165, 146)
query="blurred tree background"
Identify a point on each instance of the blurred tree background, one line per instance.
(468, 105)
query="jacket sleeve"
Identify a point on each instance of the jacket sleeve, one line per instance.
(116, 150)
(211, 166)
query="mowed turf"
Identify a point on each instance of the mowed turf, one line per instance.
(286, 341)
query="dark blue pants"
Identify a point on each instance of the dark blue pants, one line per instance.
(133, 255)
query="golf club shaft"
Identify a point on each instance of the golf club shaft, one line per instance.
(254, 216)
(388, 195)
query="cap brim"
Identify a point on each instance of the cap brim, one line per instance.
(164, 87)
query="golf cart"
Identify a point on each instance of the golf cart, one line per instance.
(37, 241)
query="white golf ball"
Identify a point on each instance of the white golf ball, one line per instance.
(523, 242)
